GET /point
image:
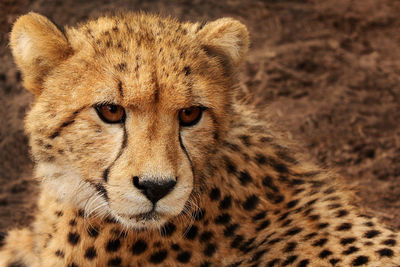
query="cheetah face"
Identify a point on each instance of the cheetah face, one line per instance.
(128, 110)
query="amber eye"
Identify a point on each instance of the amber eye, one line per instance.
(190, 116)
(111, 113)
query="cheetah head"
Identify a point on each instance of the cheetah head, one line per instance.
(128, 110)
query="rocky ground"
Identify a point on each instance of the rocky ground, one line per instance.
(327, 72)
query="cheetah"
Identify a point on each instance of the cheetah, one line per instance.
(146, 156)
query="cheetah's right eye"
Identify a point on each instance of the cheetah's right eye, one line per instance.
(111, 113)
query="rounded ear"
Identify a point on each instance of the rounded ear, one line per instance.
(227, 39)
(37, 46)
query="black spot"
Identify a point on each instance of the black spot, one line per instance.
(351, 250)
(139, 247)
(90, 253)
(60, 254)
(93, 231)
(303, 263)
(309, 236)
(333, 261)
(16, 263)
(81, 213)
(72, 264)
(198, 215)
(263, 225)
(273, 262)
(206, 236)
(113, 245)
(251, 202)
(187, 70)
(315, 217)
(226, 203)
(371, 233)
(121, 66)
(184, 256)
(158, 256)
(259, 216)
(323, 225)
(289, 260)
(168, 229)
(268, 182)
(72, 222)
(210, 249)
(342, 213)
(360, 260)
(245, 140)
(274, 241)
(73, 238)
(245, 178)
(292, 203)
(258, 255)
(224, 218)
(344, 227)
(205, 264)
(389, 242)
(3, 236)
(290, 247)
(115, 261)
(348, 240)
(325, 253)
(293, 231)
(59, 213)
(230, 167)
(370, 224)
(261, 159)
(320, 242)
(192, 232)
(215, 194)
(230, 229)
(385, 252)
(276, 198)
(237, 241)
(175, 247)
(120, 90)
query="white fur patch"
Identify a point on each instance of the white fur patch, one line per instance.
(66, 185)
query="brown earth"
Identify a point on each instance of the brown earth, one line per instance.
(329, 72)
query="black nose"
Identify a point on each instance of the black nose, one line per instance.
(154, 190)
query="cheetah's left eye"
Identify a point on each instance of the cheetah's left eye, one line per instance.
(111, 113)
(190, 116)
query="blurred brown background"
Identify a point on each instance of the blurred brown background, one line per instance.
(328, 70)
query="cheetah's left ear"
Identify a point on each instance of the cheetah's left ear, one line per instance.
(227, 39)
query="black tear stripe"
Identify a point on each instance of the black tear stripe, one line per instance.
(66, 123)
(123, 145)
(187, 154)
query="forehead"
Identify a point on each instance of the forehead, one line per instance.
(138, 60)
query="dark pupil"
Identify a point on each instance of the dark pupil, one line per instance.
(112, 108)
(188, 112)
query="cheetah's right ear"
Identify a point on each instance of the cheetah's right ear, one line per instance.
(37, 46)
(227, 39)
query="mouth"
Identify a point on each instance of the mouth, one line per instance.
(147, 216)
(150, 219)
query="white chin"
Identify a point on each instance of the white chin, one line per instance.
(151, 220)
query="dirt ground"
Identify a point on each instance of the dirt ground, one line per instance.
(328, 72)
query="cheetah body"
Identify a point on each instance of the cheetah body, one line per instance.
(241, 197)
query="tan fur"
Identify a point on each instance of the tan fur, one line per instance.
(241, 197)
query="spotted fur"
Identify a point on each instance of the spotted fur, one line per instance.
(242, 198)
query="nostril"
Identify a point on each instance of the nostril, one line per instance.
(154, 190)
(136, 183)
